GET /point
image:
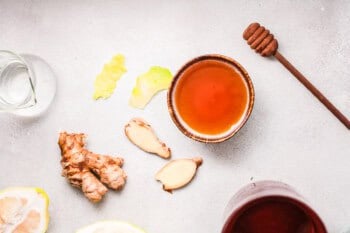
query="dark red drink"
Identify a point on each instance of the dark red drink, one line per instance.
(270, 207)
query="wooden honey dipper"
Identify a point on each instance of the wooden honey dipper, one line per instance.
(262, 41)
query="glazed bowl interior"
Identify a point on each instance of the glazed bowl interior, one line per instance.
(186, 128)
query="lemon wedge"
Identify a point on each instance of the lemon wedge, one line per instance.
(111, 226)
(148, 84)
(23, 210)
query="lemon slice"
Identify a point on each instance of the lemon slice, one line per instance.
(23, 210)
(111, 226)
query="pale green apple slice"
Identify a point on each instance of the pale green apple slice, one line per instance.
(111, 226)
(148, 84)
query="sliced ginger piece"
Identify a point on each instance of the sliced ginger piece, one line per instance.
(178, 173)
(148, 84)
(140, 133)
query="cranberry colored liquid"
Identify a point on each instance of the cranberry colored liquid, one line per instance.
(273, 215)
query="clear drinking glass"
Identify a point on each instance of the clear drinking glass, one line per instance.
(27, 84)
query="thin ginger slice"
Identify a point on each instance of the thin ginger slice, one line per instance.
(89, 171)
(140, 133)
(178, 173)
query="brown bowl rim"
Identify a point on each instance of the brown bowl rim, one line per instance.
(220, 58)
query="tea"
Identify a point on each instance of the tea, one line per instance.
(211, 97)
(270, 207)
(272, 215)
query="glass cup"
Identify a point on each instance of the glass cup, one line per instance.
(270, 206)
(27, 84)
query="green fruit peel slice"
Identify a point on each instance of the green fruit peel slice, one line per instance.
(111, 226)
(148, 84)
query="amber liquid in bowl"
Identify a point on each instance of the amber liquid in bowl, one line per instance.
(211, 97)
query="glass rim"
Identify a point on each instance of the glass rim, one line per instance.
(30, 99)
(251, 193)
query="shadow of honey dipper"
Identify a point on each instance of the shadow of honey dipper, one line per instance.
(262, 41)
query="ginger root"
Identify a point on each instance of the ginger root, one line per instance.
(178, 173)
(140, 133)
(89, 171)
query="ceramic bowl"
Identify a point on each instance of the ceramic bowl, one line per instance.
(187, 130)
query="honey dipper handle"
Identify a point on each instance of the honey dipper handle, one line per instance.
(313, 89)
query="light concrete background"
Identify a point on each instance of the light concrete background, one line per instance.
(290, 136)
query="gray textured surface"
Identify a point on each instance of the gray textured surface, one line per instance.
(290, 136)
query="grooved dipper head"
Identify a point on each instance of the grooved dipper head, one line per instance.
(260, 39)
